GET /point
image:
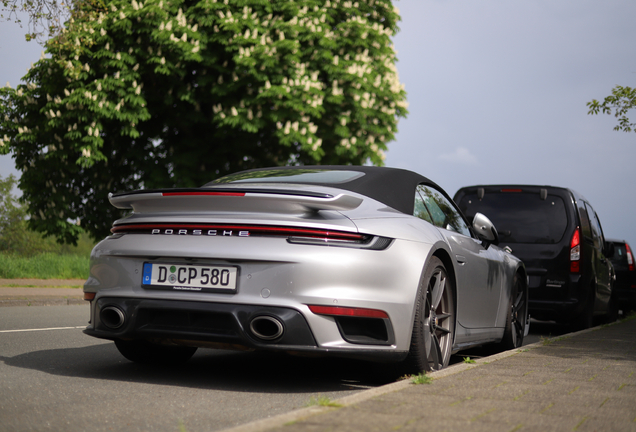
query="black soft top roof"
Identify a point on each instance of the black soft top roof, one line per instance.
(394, 187)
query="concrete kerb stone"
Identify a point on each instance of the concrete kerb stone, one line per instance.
(304, 413)
(43, 302)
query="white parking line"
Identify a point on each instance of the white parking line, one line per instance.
(41, 329)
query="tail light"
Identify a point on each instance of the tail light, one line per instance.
(295, 235)
(630, 258)
(575, 252)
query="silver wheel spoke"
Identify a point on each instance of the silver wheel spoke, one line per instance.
(428, 343)
(427, 337)
(437, 289)
(436, 351)
(518, 301)
(518, 327)
(443, 331)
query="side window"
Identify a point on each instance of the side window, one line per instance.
(585, 220)
(438, 210)
(597, 232)
(420, 209)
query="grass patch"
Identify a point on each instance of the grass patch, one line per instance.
(421, 378)
(44, 266)
(549, 340)
(630, 316)
(323, 401)
(468, 360)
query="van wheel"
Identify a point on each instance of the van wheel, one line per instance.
(612, 310)
(586, 319)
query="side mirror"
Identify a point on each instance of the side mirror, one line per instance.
(485, 230)
(609, 250)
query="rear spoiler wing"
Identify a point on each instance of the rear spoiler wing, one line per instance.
(232, 200)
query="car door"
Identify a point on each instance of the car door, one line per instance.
(478, 269)
(601, 265)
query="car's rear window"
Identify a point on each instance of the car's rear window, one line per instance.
(290, 176)
(520, 217)
(620, 253)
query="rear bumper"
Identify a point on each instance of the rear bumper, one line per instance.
(215, 325)
(554, 310)
(554, 303)
(626, 298)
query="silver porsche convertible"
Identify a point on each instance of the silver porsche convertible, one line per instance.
(353, 261)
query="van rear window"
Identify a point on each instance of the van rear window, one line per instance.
(620, 254)
(520, 217)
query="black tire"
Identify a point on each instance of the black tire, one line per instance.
(517, 316)
(434, 323)
(612, 310)
(585, 319)
(144, 352)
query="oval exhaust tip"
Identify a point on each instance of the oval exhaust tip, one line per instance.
(266, 327)
(112, 317)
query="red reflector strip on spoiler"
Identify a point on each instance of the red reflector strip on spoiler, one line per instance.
(203, 193)
(511, 190)
(346, 311)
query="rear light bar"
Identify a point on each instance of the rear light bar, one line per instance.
(232, 230)
(575, 251)
(308, 236)
(203, 193)
(630, 258)
(347, 311)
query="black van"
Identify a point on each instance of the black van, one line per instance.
(625, 268)
(557, 234)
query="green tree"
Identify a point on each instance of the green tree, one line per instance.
(15, 237)
(174, 93)
(619, 102)
(11, 212)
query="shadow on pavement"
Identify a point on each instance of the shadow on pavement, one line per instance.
(210, 369)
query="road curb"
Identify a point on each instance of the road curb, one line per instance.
(42, 302)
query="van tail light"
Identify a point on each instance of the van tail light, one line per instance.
(630, 258)
(575, 252)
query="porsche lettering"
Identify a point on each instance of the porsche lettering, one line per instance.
(200, 232)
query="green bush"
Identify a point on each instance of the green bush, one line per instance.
(27, 254)
(15, 237)
(44, 266)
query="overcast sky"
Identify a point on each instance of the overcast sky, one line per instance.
(497, 92)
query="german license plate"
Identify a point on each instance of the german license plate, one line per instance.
(190, 277)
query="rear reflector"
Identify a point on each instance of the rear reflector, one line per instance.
(89, 296)
(630, 258)
(346, 311)
(511, 190)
